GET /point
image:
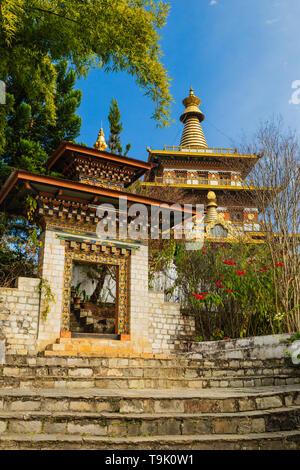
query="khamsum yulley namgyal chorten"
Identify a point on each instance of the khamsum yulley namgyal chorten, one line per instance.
(214, 177)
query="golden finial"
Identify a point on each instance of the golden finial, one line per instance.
(192, 136)
(211, 195)
(100, 143)
(211, 208)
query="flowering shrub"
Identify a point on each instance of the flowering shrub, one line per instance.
(231, 291)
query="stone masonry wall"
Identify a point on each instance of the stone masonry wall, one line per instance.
(168, 328)
(257, 347)
(19, 313)
(52, 260)
(156, 327)
(139, 301)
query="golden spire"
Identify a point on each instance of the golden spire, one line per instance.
(192, 136)
(211, 208)
(100, 143)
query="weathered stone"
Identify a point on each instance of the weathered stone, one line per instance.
(246, 404)
(25, 426)
(148, 428)
(80, 406)
(89, 429)
(162, 406)
(80, 372)
(55, 428)
(169, 427)
(244, 426)
(132, 406)
(258, 425)
(3, 426)
(55, 405)
(268, 402)
(20, 405)
(225, 426)
(2, 351)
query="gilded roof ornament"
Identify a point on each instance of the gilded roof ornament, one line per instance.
(211, 208)
(192, 136)
(100, 143)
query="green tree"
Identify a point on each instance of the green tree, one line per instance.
(116, 127)
(114, 35)
(29, 136)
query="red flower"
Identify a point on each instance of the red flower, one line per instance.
(265, 268)
(198, 296)
(229, 290)
(225, 337)
(241, 273)
(251, 261)
(279, 265)
(229, 262)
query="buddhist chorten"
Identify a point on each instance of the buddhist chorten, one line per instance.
(194, 170)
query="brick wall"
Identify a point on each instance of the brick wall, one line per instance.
(19, 313)
(168, 328)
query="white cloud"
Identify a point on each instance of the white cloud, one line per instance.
(272, 21)
(213, 2)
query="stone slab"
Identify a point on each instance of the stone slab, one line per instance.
(2, 352)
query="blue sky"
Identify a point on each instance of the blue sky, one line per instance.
(240, 56)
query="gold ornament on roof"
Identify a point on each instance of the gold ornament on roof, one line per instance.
(192, 100)
(211, 195)
(192, 117)
(100, 143)
(211, 208)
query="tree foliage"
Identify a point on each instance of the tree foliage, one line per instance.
(279, 206)
(230, 288)
(114, 35)
(116, 127)
(29, 135)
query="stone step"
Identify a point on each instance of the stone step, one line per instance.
(175, 424)
(152, 402)
(192, 372)
(136, 382)
(285, 440)
(147, 361)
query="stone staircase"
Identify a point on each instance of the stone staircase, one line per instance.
(144, 373)
(84, 321)
(75, 325)
(133, 403)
